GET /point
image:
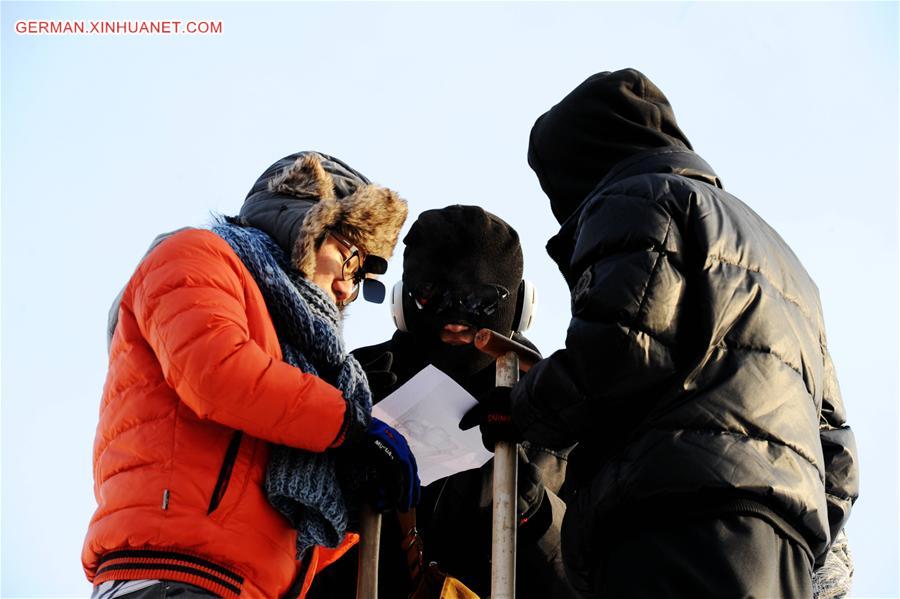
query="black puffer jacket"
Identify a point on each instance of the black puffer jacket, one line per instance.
(696, 362)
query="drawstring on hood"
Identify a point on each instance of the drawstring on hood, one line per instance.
(603, 121)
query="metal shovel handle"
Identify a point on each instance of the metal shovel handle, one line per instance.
(369, 543)
(505, 526)
(511, 357)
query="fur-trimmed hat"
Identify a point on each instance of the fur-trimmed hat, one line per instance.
(305, 195)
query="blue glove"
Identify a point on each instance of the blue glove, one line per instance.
(392, 475)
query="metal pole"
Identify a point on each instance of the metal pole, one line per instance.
(369, 543)
(503, 538)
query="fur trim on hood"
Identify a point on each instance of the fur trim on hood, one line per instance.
(303, 196)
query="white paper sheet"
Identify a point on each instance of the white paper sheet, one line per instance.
(426, 410)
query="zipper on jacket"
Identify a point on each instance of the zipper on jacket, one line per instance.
(225, 471)
(296, 587)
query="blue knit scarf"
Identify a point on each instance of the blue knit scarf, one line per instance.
(317, 492)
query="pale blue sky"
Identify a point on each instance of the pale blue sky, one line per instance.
(107, 141)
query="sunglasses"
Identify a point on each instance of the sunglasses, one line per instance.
(355, 269)
(476, 300)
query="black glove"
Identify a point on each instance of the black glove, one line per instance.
(381, 379)
(392, 477)
(534, 512)
(493, 415)
(530, 488)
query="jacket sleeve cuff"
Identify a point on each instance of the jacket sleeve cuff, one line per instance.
(533, 528)
(355, 422)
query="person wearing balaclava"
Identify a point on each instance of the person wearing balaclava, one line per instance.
(695, 375)
(462, 268)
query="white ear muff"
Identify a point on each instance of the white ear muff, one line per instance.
(528, 301)
(397, 307)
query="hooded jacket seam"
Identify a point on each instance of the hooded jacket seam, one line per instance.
(746, 348)
(761, 350)
(660, 254)
(614, 175)
(635, 328)
(722, 260)
(751, 436)
(119, 432)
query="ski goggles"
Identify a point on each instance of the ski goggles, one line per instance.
(355, 269)
(480, 300)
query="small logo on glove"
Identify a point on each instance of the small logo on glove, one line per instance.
(384, 448)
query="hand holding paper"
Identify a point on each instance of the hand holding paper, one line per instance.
(427, 410)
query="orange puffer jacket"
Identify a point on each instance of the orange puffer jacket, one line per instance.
(196, 391)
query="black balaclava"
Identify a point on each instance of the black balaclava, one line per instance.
(603, 121)
(456, 247)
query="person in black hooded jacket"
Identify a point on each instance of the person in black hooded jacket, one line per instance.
(695, 375)
(462, 271)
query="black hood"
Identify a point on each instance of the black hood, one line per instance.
(606, 119)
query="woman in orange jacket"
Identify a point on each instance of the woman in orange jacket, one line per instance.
(235, 438)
